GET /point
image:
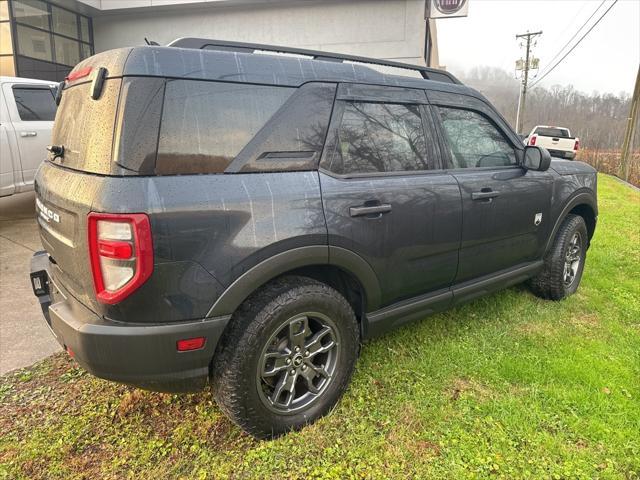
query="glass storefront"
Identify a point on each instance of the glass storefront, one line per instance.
(43, 40)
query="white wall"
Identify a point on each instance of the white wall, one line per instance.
(382, 29)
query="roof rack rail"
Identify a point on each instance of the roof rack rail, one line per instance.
(229, 46)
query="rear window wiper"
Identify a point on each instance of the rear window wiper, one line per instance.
(57, 151)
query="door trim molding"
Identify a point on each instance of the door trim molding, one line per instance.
(388, 318)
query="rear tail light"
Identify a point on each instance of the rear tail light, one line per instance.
(121, 254)
(189, 344)
(576, 145)
(532, 140)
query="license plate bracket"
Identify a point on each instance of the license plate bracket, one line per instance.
(40, 283)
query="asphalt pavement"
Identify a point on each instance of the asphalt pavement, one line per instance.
(24, 335)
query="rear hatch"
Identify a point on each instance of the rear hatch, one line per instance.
(71, 181)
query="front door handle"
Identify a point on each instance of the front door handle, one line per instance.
(28, 134)
(484, 194)
(369, 210)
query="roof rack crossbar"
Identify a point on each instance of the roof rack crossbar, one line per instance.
(225, 45)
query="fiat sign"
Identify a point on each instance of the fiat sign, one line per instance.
(449, 8)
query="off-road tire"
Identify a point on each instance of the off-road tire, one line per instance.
(550, 282)
(238, 355)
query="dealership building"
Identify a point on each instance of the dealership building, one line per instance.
(46, 38)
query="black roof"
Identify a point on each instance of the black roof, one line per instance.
(243, 47)
(268, 69)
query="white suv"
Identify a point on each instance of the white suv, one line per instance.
(27, 110)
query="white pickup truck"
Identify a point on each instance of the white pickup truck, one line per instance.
(27, 110)
(557, 140)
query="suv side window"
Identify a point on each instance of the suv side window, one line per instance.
(206, 124)
(379, 137)
(474, 141)
(35, 104)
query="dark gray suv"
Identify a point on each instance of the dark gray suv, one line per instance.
(214, 214)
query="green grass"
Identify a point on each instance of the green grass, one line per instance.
(508, 386)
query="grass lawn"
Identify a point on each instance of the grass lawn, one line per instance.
(508, 386)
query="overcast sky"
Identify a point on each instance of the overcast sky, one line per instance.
(606, 60)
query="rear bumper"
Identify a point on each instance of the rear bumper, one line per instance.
(562, 154)
(137, 354)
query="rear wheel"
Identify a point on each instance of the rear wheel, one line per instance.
(564, 262)
(287, 357)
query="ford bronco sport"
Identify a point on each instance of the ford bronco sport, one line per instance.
(212, 214)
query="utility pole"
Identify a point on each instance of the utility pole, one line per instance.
(627, 144)
(528, 64)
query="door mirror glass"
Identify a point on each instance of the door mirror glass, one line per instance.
(536, 158)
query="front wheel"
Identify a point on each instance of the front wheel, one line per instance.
(564, 262)
(287, 357)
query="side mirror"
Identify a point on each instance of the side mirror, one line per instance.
(536, 158)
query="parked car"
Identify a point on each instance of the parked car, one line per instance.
(27, 111)
(557, 140)
(213, 215)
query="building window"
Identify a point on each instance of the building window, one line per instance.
(48, 40)
(84, 30)
(67, 51)
(31, 12)
(34, 43)
(65, 22)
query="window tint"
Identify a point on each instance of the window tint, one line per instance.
(552, 132)
(294, 138)
(379, 137)
(206, 124)
(474, 140)
(35, 103)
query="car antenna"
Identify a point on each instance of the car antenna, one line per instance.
(150, 42)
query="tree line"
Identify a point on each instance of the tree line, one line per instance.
(598, 119)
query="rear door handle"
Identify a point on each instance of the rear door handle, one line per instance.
(372, 210)
(28, 134)
(484, 195)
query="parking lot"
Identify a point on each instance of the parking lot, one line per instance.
(24, 336)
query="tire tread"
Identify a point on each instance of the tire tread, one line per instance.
(244, 335)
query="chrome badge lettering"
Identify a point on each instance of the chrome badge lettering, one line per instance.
(46, 213)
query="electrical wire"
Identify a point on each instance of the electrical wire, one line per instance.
(574, 36)
(574, 46)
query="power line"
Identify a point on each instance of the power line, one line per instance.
(564, 31)
(525, 77)
(576, 44)
(574, 36)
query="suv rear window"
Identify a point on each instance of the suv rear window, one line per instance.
(84, 127)
(206, 124)
(35, 104)
(552, 132)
